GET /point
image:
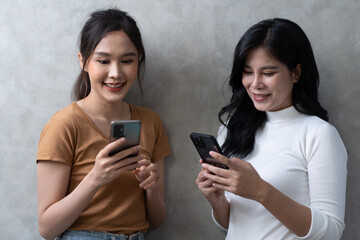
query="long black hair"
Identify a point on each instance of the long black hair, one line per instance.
(287, 42)
(99, 24)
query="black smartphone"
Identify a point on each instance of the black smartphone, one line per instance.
(129, 129)
(204, 143)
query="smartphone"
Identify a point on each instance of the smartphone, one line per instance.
(205, 143)
(129, 129)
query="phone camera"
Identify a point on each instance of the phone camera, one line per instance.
(199, 142)
(119, 131)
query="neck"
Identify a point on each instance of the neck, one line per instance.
(102, 110)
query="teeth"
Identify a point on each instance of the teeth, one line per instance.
(112, 85)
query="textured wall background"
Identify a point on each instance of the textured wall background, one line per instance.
(189, 48)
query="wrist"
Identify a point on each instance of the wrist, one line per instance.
(91, 179)
(222, 201)
(152, 192)
(264, 193)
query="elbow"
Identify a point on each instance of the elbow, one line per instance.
(156, 222)
(324, 226)
(45, 232)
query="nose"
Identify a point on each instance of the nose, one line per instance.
(257, 82)
(115, 71)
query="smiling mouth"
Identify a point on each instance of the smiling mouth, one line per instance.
(114, 85)
(260, 97)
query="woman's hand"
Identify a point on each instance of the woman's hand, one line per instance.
(241, 178)
(147, 174)
(107, 168)
(214, 195)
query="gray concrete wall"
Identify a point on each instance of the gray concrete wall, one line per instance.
(189, 48)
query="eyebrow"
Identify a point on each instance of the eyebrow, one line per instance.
(105, 54)
(264, 67)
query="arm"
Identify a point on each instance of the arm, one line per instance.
(155, 199)
(151, 179)
(326, 156)
(58, 211)
(243, 180)
(216, 198)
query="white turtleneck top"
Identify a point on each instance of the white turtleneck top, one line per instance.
(304, 158)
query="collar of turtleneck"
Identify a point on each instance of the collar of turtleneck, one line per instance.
(282, 115)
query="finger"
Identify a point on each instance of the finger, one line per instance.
(150, 179)
(127, 152)
(215, 170)
(108, 148)
(144, 162)
(221, 158)
(133, 161)
(201, 176)
(128, 167)
(205, 184)
(152, 184)
(221, 186)
(217, 179)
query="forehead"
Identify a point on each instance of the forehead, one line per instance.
(116, 43)
(260, 56)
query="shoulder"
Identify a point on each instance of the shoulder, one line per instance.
(315, 126)
(321, 136)
(67, 117)
(144, 114)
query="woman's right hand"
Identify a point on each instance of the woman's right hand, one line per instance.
(214, 195)
(107, 168)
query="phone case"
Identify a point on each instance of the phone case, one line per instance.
(204, 143)
(129, 129)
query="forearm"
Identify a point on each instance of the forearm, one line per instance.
(221, 213)
(155, 207)
(61, 215)
(295, 216)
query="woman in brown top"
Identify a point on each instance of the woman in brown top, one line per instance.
(82, 192)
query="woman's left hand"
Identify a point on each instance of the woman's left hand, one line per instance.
(147, 174)
(241, 178)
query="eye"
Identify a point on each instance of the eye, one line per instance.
(269, 74)
(127, 61)
(247, 72)
(103, 61)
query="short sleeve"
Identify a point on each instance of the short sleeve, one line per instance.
(161, 148)
(56, 143)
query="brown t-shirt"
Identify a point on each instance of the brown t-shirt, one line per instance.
(72, 138)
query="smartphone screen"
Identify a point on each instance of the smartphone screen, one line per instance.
(130, 130)
(205, 143)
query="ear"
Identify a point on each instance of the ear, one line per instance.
(81, 60)
(296, 73)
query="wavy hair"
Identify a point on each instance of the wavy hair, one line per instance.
(286, 41)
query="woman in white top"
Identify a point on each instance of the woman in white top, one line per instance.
(287, 164)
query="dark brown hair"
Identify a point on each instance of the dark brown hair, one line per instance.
(99, 24)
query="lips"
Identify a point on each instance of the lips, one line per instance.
(115, 86)
(260, 97)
